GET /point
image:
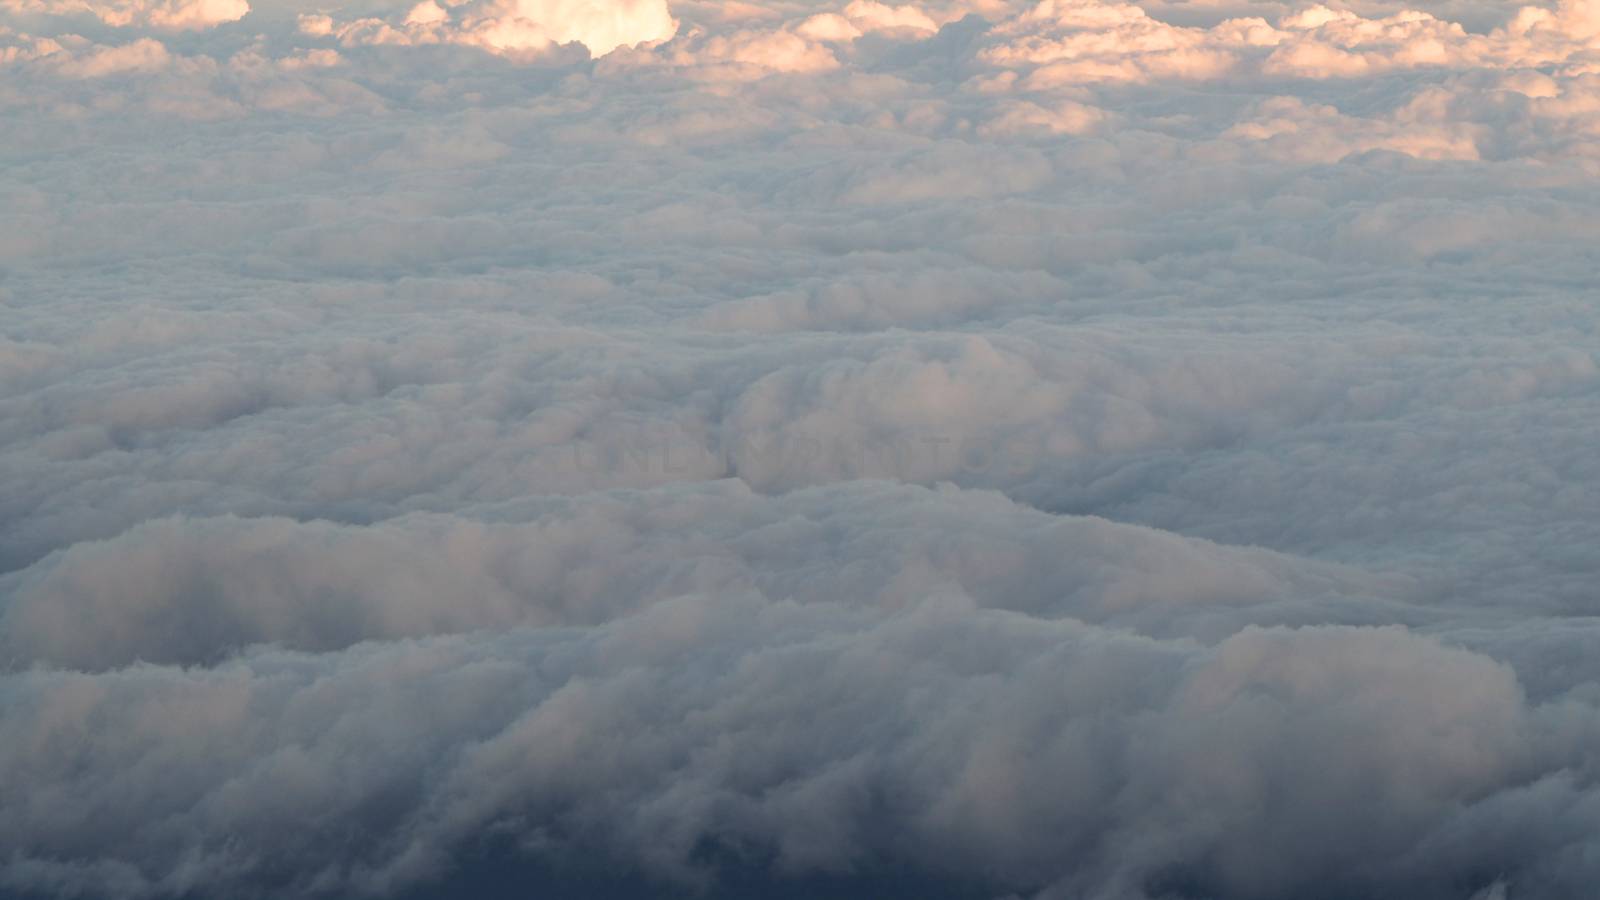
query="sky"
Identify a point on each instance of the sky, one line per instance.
(1074, 450)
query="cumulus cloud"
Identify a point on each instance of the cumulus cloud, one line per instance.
(312, 586)
(511, 26)
(163, 15)
(973, 448)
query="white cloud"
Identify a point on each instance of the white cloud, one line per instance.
(1067, 449)
(512, 26)
(162, 15)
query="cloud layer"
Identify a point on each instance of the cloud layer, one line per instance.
(505, 27)
(1074, 449)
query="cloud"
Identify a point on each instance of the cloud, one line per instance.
(310, 586)
(1037, 752)
(162, 15)
(974, 448)
(511, 26)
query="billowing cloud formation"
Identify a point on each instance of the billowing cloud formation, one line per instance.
(508, 26)
(970, 448)
(162, 15)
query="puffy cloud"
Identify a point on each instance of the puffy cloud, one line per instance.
(584, 561)
(1071, 41)
(511, 26)
(1322, 133)
(1071, 449)
(1036, 752)
(163, 15)
(74, 57)
(143, 55)
(745, 53)
(1025, 117)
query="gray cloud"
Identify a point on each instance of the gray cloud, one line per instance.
(1083, 450)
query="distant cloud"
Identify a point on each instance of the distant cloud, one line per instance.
(161, 15)
(510, 26)
(1067, 449)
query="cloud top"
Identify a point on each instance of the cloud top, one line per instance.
(1070, 449)
(159, 15)
(511, 26)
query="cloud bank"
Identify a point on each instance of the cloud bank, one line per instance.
(971, 448)
(505, 27)
(163, 15)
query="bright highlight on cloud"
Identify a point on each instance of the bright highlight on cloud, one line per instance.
(969, 448)
(161, 15)
(511, 26)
